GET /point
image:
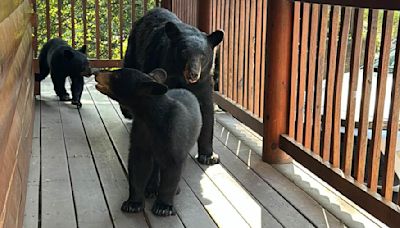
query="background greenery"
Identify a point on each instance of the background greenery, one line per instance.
(65, 6)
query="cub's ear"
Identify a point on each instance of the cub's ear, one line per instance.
(216, 37)
(83, 49)
(152, 88)
(172, 30)
(68, 54)
(159, 75)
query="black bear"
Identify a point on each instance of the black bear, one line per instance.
(61, 60)
(160, 40)
(166, 127)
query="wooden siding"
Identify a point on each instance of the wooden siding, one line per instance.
(16, 95)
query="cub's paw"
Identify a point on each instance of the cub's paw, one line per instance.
(162, 209)
(207, 159)
(132, 207)
(77, 103)
(65, 97)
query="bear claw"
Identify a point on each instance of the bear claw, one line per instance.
(132, 207)
(208, 160)
(162, 209)
(77, 103)
(65, 97)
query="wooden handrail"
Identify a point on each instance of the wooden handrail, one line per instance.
(373, 4)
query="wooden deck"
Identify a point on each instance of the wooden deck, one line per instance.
(78, 176)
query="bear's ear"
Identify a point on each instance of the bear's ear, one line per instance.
(159, 75)
(152, 88)
(83, 49)
(68, 54)
(216, 37)
(172, 30)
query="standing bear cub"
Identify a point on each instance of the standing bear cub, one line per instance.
(160, 40)
(61, 60)
(166, 127)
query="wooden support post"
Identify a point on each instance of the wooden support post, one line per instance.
(204, 15)
(277, 80)
(167, 4)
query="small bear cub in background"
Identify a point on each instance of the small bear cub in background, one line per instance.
(61, 60)
(166, 127)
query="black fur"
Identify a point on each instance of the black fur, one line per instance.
(166, 127)
(160, 40)
(61, 60)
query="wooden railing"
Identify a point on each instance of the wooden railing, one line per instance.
(338, 107)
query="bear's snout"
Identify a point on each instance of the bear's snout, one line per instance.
(103, 82)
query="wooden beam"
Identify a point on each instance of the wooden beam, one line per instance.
(277, 79)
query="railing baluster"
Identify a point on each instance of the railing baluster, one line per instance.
(84, 22)
(392, 129)
(59, 16)
(246, 57)
(258, 64)
(373, 165)
(344, 34)
(48, 19)
(109, 21)
(351, 102)
(133, 11)
(35, 29)
(294, 69)
(225, 46)
(73, 23)
(144, 6)
(240, 62)
(366, 95)
(320, 77)
(97, 21)
(121, 27)
(263, 56)
(236, 51)
(231, 41)
(251, 54)
(305, 19)
(312, 57)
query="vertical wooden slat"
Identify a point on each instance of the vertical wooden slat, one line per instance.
(47, 19)
(312, 57)
(257, 54)
(84, 21)
(380, 100)
(392, 128)
(351, 102)
(121, 27)
(366, 95)
(240, 60)
(344, 33)
(109, 21)
(133, 11)
(73, 23)
(320, 77)
(225, 48)
(236, 53)
(305, 19)
(246, 56)
(231, 41)
(157, 3)
(144, 6)
(263, 56)
(221, 8)
(251, 54)
(294, 69)
(97, 20)
(332, 52)
(59, 16)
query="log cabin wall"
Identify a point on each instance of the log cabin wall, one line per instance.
(16, 108)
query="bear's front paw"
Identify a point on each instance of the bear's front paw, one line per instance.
(208, 159)
(65, 97)
(77, 103)
(162, 209)
(132, 207)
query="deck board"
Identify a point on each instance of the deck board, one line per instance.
(78, 176)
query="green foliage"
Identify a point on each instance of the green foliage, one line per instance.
(105, 6)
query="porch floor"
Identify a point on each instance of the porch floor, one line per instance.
(78, 176)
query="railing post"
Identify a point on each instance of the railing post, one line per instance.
(277, 79)
(204, 15)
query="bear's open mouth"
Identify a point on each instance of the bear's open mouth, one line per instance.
(191, 78)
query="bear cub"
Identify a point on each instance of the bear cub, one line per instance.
(166, 127)
(61, 60)
(161, 40)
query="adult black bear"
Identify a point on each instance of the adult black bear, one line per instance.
(160, 40)
(61, 60)
(165, 129)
